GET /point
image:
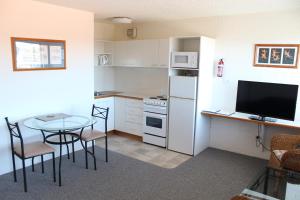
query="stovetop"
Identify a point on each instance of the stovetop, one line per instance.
(163, 98)
(156, 101)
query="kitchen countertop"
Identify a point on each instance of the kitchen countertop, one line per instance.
(105, 94)
(129, 95)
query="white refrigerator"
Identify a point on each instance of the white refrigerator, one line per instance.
(182, 113)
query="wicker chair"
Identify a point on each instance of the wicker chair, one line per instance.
(239, 198)
(289, 160)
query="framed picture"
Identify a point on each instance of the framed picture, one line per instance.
(276, 55)
(38, 54)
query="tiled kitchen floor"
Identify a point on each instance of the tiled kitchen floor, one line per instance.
(144, 152)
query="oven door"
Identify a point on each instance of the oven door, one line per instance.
(155, 124)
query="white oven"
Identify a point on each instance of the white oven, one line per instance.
(155, 122)
(184, 59)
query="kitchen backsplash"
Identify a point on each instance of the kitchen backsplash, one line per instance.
(135, 80)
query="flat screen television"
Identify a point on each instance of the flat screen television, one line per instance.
(267, 99)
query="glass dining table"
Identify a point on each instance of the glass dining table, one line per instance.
(60, 129)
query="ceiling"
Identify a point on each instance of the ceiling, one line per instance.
(159, 10)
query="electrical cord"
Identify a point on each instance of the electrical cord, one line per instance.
(258, 137)
(259, 141)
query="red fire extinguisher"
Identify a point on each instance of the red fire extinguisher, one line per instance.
(220, 68)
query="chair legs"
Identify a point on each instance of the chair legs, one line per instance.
(24, 175)
(73, 151)
(93, 153)
(54, 171)
(93, 148)
(106, 157)
(86, 158)
(32, 164)
(24, 168)
(42, 161)
(14, 167)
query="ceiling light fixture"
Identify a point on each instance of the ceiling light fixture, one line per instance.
(121, 20)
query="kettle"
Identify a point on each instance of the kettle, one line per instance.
(103, 59)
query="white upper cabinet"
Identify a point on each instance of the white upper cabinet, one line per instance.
(149, 53)
(164, 53)
(142, 53)
(103, 53)
(126, 53)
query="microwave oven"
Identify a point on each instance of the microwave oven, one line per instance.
(184, 59)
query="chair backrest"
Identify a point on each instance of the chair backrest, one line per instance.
(14, 131)
(285, 142)
(101, 113)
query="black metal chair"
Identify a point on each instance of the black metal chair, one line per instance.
(27, 151)
(91, 135)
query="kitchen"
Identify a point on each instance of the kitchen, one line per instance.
(161, 77)
(146, 83)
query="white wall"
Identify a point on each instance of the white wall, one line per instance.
(104, 31)
(24, 94)
(235, 39)
(157, 30)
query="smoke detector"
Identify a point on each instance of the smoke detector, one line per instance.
(121, 20)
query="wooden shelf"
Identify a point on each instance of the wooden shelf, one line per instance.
(245, 118)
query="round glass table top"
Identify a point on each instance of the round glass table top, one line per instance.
(70, 122)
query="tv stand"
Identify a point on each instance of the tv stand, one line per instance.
(263, 119)
(267, 122)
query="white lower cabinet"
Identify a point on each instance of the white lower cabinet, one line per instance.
(129, 115)
(106, 103)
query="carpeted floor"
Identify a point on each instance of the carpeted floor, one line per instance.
(212, 175)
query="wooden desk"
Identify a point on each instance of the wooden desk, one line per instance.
(245, 117)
